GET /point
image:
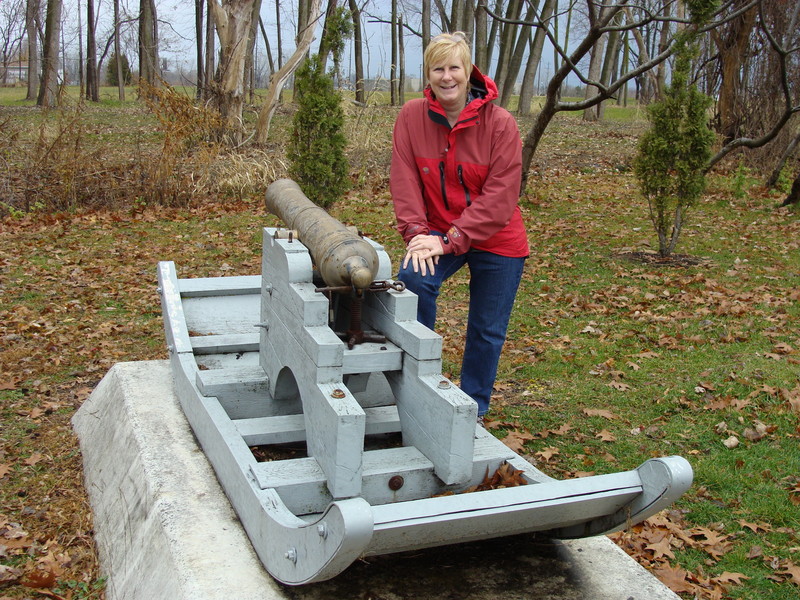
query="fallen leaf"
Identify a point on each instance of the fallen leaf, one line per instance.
(755, 527)
(755, 552)
(606, 436)
(563, 430)
(39, 579)
(33, 459)
(599, 412)
(674, 578)
(728, 577)
(547, 453)
(516, 440)
(793, 571)
(662, 548)
(9, 574)
(731, 442)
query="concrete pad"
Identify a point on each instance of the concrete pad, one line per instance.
(165, 530)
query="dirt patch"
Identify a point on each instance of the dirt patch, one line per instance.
(653, 258)
(514, 568)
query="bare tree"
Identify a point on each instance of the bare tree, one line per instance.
(515, 59)
(233, 19)
(249, 61)
(209, 62)
(48, 88)
(358, 44)
(278, 79)
(32, 25)
(773, 97)
(481, 37)
(395, 57)
(92, 80)
(534, 59)
(149, 70)
(601, 22)
(118, 54)
(732, 40)
(12, 31)
(199, 9)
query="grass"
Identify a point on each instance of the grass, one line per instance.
(610, 359)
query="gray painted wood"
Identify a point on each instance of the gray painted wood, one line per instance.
(290, 388)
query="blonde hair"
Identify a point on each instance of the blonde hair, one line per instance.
(445, 45)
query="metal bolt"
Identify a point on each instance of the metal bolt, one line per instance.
(291, 554)
(268, 288)
(264, 325)
(337, 393)
(396, 482)
(444, 384)
(322, 530)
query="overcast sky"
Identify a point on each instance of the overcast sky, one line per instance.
(180, 42)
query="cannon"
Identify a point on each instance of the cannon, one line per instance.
(319, 400)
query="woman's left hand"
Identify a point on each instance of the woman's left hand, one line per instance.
(423, 251)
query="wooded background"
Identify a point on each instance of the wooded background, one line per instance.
(617, 51)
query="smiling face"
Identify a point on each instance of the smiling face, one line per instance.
(448, 79)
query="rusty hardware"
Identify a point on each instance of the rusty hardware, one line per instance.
(396, 482)
(355, 334)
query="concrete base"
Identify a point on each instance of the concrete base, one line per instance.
(165, 530)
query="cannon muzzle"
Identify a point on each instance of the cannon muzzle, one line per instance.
(341, 256)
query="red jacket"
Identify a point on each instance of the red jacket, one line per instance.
(464, 181)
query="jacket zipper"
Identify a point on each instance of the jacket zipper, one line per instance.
(464, 185)
(443, 184)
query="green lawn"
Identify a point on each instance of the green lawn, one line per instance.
(612, 357)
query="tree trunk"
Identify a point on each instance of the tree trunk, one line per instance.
(731, 41)
(523, 41)
(498, 5)
(233, 20)
(358, 49)
(426, 24)
(279, 79)
(610, 62)
(31, 26)
(267, 45)
(324, 49)
(794, 195)
(198, 33)
(249, 64)
(457, 16)
(534, 60)
(92, 83)
(481, 35)
(210, 58)
(595, 69)
(468, 24)
(788, 151)
(48, 88)
(148, 43)
(507, 37)
(401, 55)
(118, 55)
(393, 66)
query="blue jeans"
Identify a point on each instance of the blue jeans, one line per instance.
(493, 284)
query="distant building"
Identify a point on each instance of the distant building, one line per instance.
(13, 72)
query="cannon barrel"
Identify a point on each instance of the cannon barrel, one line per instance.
(342, 257)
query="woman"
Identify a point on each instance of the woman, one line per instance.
(455, 179)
